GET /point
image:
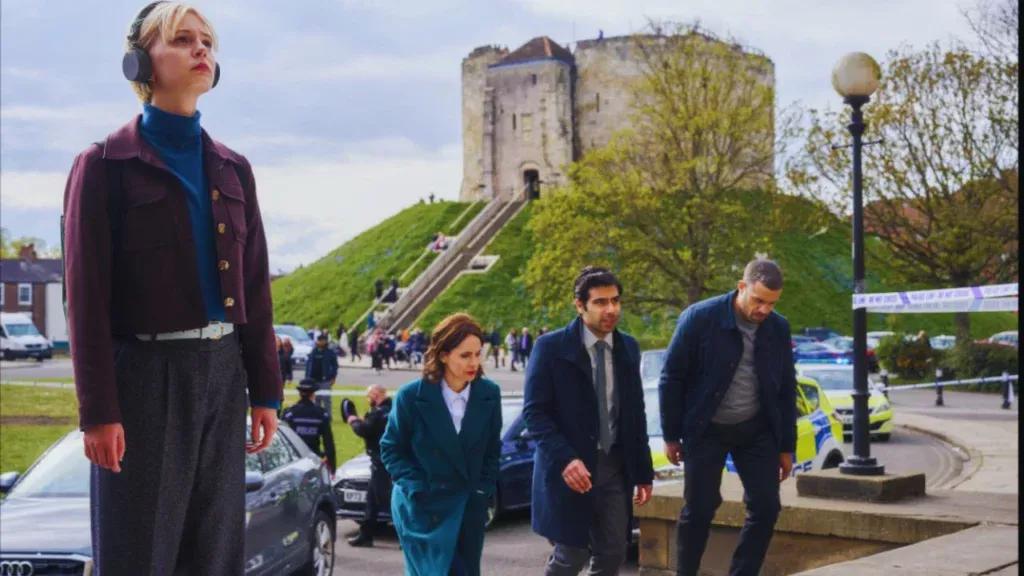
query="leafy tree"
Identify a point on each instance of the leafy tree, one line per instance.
(10, 248)
(940, 189)
(666, 204)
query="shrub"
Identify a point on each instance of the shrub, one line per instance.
(906, 358)
(981, 360)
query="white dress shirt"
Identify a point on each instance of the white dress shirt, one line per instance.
(589, 342)
(456, 402)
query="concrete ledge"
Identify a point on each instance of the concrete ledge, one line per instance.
(885, 488)
(978, 550)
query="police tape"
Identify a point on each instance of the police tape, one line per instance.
(1004, 378)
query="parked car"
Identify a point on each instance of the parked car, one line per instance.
(837, 383)
(824, 353)
(515, 476)
(289, 511)
(845, 343)
(302, 344)
(942, 342)
(1008, 338)
(820, 333)
(797, 339)
(19, 338)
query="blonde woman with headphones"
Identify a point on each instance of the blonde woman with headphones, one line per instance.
(169, 315)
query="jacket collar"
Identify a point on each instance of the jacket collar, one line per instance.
(127, 142)
(438, 420)
(728, 314)
(572, 342)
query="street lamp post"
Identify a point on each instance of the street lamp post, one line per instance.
(855, 77)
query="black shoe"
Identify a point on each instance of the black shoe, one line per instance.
(360, 541)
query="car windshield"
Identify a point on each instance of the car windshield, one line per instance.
(294, 332)
(841, 343)
(62, 472)
(650, 364)
(831, 379)
(653, 410)
(21, 330)
(509, 412)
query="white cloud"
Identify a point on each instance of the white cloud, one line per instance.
(62, 128)
(310, 205)
(430, 66)
(406, 9)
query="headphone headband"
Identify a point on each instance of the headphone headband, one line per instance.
(136, 28)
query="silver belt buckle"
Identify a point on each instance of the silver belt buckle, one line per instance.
(219, 331)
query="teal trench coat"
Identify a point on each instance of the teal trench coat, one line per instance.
(443, 480)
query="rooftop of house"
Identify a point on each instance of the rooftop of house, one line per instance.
(29, 269)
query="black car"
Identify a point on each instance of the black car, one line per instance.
(289, 512)
(515, 477)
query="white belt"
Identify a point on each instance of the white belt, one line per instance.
(212, 331)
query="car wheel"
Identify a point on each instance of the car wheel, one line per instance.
(882, 438)
(492, 511)
(833, 461)
(321, 547)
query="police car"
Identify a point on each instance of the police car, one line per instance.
(819, 431)
(836, 381)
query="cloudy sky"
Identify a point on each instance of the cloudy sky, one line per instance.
(349, 110)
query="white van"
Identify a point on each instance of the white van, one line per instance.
(20, 339)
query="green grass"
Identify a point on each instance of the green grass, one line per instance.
(819, 281)
(56, 409)
(339, 287)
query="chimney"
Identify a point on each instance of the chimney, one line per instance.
(28, 252)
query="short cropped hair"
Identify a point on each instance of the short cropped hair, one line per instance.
(765, 271)
(164, 20)
(593, 277)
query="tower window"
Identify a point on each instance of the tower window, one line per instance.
(597, 99)
(513, 121)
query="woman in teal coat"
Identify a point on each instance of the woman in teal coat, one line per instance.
(441, 448)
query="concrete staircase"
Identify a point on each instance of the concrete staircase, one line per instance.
(443, 271)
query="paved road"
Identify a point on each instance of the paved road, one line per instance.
(957, 405)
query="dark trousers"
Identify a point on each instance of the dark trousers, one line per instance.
(378, 497)
(756, 455)
(178, 504)
(608, 534)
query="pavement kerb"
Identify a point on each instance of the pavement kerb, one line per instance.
(976, 457)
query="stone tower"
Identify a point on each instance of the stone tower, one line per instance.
(474, 80)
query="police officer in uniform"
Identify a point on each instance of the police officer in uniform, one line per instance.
(311, 422)
(370, 429)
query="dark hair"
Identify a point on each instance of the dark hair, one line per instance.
(593, 277)
(446, 337)
(767, 272)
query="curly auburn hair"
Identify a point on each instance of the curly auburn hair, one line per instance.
(446, 337)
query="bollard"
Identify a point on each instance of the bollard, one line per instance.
(938, 387)
(885, 382)
(1006, 391)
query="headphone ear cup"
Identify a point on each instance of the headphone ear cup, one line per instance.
(137, 66)
(216, 75)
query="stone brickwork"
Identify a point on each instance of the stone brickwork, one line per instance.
(542, 107)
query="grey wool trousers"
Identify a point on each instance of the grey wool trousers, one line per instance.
(178, 504)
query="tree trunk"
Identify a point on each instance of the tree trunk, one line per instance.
(693, 294)
(962, 320)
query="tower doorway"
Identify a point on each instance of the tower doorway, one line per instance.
(531, 181)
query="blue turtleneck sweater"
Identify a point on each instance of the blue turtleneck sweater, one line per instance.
(178, 141)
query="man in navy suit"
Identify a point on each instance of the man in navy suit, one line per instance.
(728, 386)
(584, 406)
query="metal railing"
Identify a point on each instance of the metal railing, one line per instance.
(1006, 393)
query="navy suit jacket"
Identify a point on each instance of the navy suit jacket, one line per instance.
(560, 409)
(701, 360)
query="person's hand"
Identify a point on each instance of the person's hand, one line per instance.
(785, 465)
(643, 494)
(263, 420)
(674, 452)
(577, 476)
(351, 419)
(104, 445)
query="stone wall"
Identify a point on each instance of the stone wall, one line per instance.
(606, 70)
(474, 78)
(532, 122)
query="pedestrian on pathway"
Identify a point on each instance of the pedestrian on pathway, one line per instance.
(168, 333)
(512, 342)
(728, 386)
(353, 344)
(322, 367)
(584, 406)
(285, 353)
(442, 446)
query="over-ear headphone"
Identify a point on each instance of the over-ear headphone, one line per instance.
(136, 64)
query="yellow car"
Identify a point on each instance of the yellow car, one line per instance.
(836, 380)
(818, 429)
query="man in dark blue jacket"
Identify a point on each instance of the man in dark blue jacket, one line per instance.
(322, 366)
(584, 407)
(728, 386)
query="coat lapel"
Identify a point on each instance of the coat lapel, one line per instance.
(439, 422)
(478, 410)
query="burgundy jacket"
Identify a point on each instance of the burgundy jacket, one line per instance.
(150, 284)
